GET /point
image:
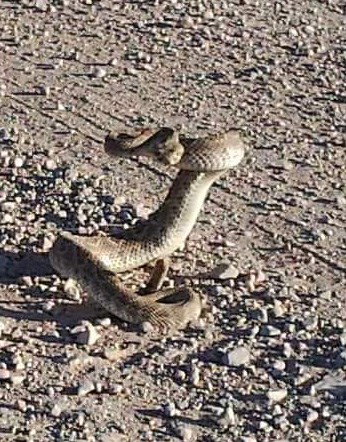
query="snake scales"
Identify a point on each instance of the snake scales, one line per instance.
(94, 261)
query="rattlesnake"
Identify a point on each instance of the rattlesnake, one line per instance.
(94, 261)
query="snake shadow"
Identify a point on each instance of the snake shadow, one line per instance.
(21, 269)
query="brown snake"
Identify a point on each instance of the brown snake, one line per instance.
(94, 261)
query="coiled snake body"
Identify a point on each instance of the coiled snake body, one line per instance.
(95, 261)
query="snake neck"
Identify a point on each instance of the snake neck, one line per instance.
(165, 231)
(169, 226)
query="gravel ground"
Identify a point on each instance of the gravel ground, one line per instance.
(267, 361)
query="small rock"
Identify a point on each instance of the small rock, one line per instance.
(195, 376)
(326, 295)
(208, 15)
(269, 330)
(185, 433)
(26, 280)
(18, 362)
(227, 417)
(343, 339)
(312, 416)
(18, 162)
(237, 357)
(4, 374)
(60, 106)
(114, 354)
(99, 72)
(42, 5)
(277, 395)
(89, 336)
(85, 388)
(260, 276)
(2, 326)
(147, 327)
(56, 410)
(334, 383)
(279, 365)
(278, 309)
(71, 289)
(187, 22)
(169, 409)
(17, 378)
(47, 244)
(287, 350)
(225, 271)
(50, 164)
(8, 206)
(104, 322)
(21, 405)
(311, 323)
(6, 218)
(113, 62)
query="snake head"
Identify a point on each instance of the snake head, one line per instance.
(162, 145)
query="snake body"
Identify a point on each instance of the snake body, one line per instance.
(95, 261)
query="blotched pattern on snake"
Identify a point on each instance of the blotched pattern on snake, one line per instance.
(95, 261)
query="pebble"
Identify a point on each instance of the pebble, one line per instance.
(50, 164)
(225, 271)
(279, 365)
(237, 357)
(195, 376)
(113, 62)
(99, 72)
(185, 433)
(170, 410)
(72, 289)
(56, 410)
(21, 405)
(47, 244)
(4, 374)
(312, 416)
(60, 106)
(114, 354)
(277, 395)
(278, 309)
(26, 280)
(6, 218)
(287, 350)
(3, 326)
(187, 22)
(8, 206)
(85, 388)
(147, 327)
(343, 339)
(17, 378)
(42, 5)
(18, 162)
(104, 322)
(227, 417)
(269, 330)
(87, 336)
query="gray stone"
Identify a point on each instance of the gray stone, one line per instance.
(225, 271)
(237, 357)
(88, 336)
(269, 330)
(85, 388)
(277, 395)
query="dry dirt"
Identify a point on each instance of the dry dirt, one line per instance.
(267, 361)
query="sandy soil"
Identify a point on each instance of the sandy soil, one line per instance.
(266, 362)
